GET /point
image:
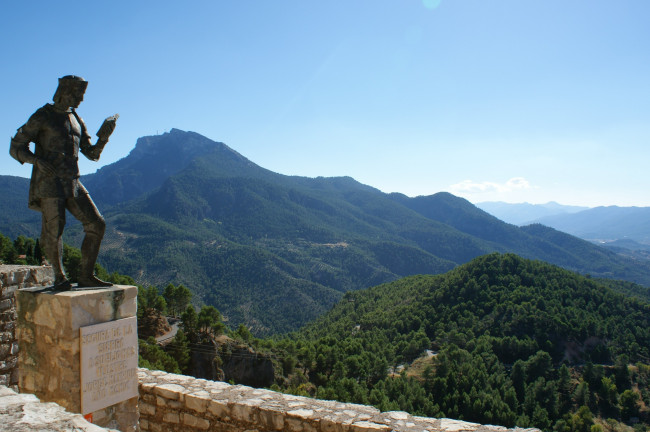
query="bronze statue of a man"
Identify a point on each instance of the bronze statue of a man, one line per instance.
(58, 134)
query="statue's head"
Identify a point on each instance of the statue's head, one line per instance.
(70, 91)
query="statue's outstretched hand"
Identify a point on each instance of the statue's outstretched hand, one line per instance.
(107, 128)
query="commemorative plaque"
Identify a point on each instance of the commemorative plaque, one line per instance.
(109, 363)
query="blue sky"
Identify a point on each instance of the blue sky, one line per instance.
(492, 100)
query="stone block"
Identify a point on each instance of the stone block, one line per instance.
(219, 386)
(162, 402)
(7, 317)
(145, 386)
(295, 425)
(170, 391)
(127, 414)
(365, 426)
(48, 334)
(147, 409)
(301, 413)
(8, 292)
(195, 422)
(219, 408)
(8, 364)
(198, 401)
(272, 419)
(17, 276)
(243, 412)
(171, 417)
(330, 425)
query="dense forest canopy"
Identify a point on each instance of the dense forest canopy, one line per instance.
(510, 341)
(503, 297)
(500, 340)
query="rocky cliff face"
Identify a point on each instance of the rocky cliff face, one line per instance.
(243, 365)
(225, 359)
(204, 363)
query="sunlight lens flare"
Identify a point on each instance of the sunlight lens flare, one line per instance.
(431, 4)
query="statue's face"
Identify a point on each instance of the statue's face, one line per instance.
(73, 96)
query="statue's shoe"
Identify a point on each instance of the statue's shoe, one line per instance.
(92, 281)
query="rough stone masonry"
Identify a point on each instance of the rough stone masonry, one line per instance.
(48, 329)
(177, 403)
(13, 278)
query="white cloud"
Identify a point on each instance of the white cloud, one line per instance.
(469, 187)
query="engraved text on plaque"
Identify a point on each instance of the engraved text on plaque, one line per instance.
(109, 364)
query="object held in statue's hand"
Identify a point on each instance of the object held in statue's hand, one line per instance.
(107, 127)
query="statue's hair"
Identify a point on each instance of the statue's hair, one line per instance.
(69, 82)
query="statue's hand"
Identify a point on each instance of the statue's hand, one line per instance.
(107, 128)
(45, 166)
(110, 127)
(94, 152)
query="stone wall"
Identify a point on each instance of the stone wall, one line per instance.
(12, 278)
(171, 402)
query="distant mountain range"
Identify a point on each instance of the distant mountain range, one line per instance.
(605, 224)
(275, 251)
(615, 227)
(15, 217)
(525, 213)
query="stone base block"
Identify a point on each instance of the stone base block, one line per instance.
(49, 345)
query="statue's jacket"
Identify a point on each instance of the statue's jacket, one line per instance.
(58, 137)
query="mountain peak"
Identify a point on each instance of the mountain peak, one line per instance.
(172, 140)
(153, 159)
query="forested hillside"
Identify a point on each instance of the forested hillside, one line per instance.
(512, 342)
(500, 340)
(275, 251)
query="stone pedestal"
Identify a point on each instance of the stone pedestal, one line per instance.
(48, 333)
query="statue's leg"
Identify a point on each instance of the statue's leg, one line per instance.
(83, 208)
(53, 222)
